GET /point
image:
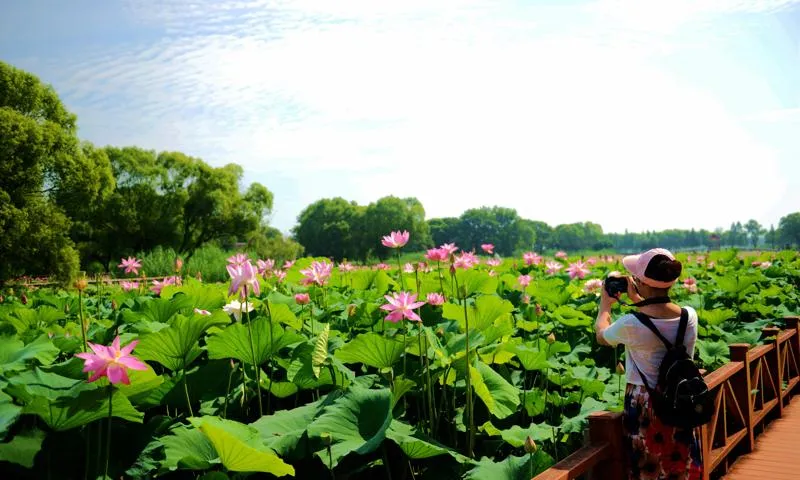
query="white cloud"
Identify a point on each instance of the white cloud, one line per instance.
(459, 104)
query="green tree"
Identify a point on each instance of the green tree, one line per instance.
(389, 214)
(754, 230)
(772, 236)
(44, 170)
(500, 226)
(269, 242)
(444, 230)
(329, 227)
(789, 228)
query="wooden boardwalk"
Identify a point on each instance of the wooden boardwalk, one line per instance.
(776, 455)
(753, 434)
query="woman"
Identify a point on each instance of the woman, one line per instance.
(655, 451)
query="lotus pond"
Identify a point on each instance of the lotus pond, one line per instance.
(296, 371)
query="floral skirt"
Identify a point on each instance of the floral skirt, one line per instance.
(657, 451)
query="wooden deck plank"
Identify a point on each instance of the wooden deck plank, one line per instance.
(775, 455)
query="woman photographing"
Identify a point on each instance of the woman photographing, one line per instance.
(656, 447)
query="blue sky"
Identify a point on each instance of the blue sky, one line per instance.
(634, 114)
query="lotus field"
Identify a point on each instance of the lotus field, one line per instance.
(458, 365)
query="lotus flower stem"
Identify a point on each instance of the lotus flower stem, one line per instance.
(108, 429)
(253, 353)
(83, 324)
(228, 391)
(400, 271)
(269, 357)
(422, 366)
(471, 420)
(186, 389)
(441, 280)
(386, 461)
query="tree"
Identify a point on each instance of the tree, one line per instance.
(167, 199)
(329, 227)
(389, 214)
(754, 230)
(444, 230)
(269, 242)
(500, 226)
(772, 236)
(789, 228)
(43, 171)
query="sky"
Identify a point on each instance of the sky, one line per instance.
(634, 114)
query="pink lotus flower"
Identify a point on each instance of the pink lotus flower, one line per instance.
(243, 275)
(302, 298)
(280, 275)
(488, 248)
(450, 248)
(524, 280)
(402, 305)
(178, 264)
(494, 262)
(288, 264)
(382, 266)
(396, 239)
(531, 258)
(265, 266)
(700, 259)
(592, 285)
(318, 273)
(526, 299)
(128, 286)
(553, 267)
(690, 284)
(437, 255)
(158, 286)
(111, 362)
(201, 312)
(424, 267)
(766, 265)
(591, 261)
(434, 298)
(408, 268)
(755, 263)
(238, 259)
(711, 265)
(345, 267)
(466, 260)
(561, 254)
(577, 269)
(131, 265)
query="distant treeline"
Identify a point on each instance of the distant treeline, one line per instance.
(67, 205)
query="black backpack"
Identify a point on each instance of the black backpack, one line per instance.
(681, 398)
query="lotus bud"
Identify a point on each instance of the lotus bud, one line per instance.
(551, 339)
(530, 445)
(351, 310)
(24, 299)
(178, 264)
(452, 269)
(620, 369)
(81, 284)
(66, 308)
(526, 299)
(326, 439)
(539, 311)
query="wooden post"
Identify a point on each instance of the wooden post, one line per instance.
(607, 427)
(793, 323)
(773, 361)
(741, 384)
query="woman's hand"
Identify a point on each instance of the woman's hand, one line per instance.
(606, 300)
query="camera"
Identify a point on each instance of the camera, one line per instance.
(615, 286)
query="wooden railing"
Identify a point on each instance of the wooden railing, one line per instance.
(753, 387)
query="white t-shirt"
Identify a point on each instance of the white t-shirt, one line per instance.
(644, 347)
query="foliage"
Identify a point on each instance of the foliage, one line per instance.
(343, 390)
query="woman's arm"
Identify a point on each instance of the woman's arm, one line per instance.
(603, 317)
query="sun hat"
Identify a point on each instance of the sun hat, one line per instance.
(637, 266)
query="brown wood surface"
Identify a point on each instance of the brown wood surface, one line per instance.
(776, 454)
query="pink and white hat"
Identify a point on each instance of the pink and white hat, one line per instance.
(637, 265)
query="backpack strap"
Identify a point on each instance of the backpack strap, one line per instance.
(682, 327)
(649, 324)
